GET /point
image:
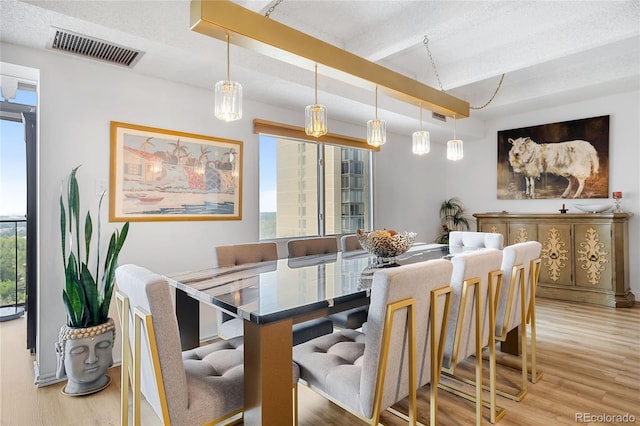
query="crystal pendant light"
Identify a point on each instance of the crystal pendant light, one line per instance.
(376, 129)
(228, 97)
(421, 139)
(315, 116)
(454, 147)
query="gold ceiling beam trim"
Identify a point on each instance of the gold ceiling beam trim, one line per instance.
(266, 36)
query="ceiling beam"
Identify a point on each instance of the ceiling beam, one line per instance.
(256, 32)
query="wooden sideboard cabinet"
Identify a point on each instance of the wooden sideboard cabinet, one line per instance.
(585, 257)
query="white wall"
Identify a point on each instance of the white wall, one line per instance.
(473, 179)
(408, 189)
(79, 98)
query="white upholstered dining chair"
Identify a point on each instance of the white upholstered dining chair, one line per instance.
(475, 278)
(240, 254)
(516, 305)
(461, 240)
(184, 388)
(300, 247)
(349, 243)
(401, 351)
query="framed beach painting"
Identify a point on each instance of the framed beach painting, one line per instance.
(164, 175)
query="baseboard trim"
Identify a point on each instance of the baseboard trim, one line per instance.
(41, 381)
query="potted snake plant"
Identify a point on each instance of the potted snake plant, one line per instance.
(85, 342)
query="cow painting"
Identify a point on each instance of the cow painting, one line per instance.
(562, 160)
(574, 160)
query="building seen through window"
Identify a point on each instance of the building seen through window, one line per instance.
(309, 189)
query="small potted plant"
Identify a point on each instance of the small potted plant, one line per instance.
(452, 218)
(85, 343)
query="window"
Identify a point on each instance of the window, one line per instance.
(13, 200)
(299, 179)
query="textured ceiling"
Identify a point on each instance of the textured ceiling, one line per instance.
(551, 52)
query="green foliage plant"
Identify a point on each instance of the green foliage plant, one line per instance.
(452, 218)
(86, 298)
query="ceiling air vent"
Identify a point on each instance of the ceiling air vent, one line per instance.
(94, 48)
(439, 116)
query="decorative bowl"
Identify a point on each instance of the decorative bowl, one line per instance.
(386, 244)
(594, 208)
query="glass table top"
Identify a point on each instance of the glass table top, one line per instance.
(269, 291)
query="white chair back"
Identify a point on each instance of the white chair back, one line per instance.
(149, 293)
(350, 243)
(309, 246)
(461, 334)
(392, 285)
(465, 239)
(240, 254)
(516, 264)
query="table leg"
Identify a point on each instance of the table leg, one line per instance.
(511, 345)
(188, 316)
(268, 374)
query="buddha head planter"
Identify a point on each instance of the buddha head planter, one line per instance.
(84, 355)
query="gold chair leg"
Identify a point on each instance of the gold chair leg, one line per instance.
(136, 387)
(295, 404)
(522, 368)
(499, 411)
(532, 374)
(492, 345)
(534, 275)
(525, 316)
(495, 412)
(122, 303)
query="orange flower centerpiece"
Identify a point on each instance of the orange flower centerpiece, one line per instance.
(386, 244)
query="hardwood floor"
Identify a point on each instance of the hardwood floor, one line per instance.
(590, 357)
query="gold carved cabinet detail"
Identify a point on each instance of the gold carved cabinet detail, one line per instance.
(556, 253)
(594, 256)
(585, 256)
(522, 232)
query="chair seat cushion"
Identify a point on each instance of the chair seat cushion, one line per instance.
(333, 364)
(215, 378)
(351, 318)
(311, 329)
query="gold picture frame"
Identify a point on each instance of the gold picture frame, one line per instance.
(165, 175)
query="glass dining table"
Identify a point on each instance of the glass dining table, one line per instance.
(272, 296)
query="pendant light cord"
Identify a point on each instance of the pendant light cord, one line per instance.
(228, 60)
(376, 102)
(420, 116)
(425, 41)
(272, 8)
(316, 84)
(454, 127)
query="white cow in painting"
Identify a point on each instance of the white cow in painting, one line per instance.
(575, 160)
